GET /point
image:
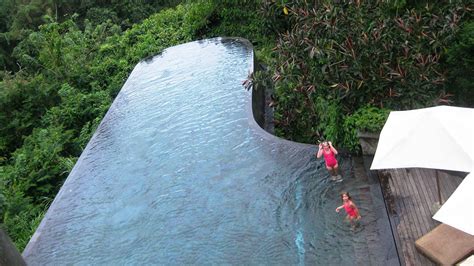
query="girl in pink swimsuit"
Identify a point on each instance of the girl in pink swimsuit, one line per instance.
(329, 152)
(350, 208)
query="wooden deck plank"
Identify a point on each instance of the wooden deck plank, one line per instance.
(419, 204)
(430, 185)
(425, 203)
(432, 179)
(424, 214)
(407, 184)
(427, 222)
(413, 212)
(428, 202)
(424, 190)
(405, 231)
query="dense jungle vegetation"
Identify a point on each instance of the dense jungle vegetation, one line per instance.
(334, 66)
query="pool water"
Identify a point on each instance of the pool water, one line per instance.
(178, 173)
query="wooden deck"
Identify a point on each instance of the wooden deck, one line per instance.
(413, 197)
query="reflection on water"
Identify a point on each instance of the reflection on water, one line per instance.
(176, 174)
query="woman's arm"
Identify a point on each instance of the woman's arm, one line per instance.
(339, 208)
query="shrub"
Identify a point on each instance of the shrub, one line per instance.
(367, 119)
(460, 65)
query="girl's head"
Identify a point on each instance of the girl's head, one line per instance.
(325, 145)
(345, 196)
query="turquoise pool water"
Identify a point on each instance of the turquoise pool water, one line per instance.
(178, 173)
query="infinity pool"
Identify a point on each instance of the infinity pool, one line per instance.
(179, 173)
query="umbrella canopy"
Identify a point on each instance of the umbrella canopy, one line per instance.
(457, 210)
(439, 137)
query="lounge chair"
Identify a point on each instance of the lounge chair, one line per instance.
(446, 245)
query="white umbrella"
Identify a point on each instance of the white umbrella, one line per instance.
(439, 137)
(457, 211)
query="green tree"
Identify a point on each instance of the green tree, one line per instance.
(460, 65)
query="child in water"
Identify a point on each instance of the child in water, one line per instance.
(329, 152)
(350, 208)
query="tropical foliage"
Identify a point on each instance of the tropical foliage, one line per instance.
(67, 78)
(334, 57)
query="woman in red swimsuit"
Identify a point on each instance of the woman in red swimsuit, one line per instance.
(329, 152)
(350, 208)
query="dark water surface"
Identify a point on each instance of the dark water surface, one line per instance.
(177, 173)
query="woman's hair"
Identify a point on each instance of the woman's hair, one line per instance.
(346, 193)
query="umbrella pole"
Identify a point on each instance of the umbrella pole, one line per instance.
(439, 188)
